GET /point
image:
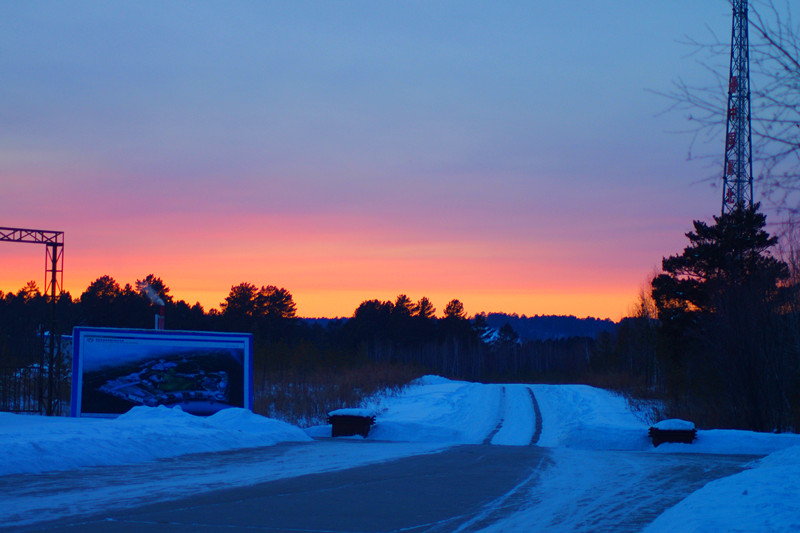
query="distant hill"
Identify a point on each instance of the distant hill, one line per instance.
(529, 327)
(550, 327)
(323, 322)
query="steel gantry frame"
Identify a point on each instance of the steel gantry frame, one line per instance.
(54, 283)
(737, 172)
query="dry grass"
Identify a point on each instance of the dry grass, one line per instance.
(305, 398)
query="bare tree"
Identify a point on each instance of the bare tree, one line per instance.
(775, 101)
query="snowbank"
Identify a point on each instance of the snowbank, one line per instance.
(674, 424)
(435, 409)
(353, 411)
(765, 498)
(733, 442)
(588, 418)
(31, 444)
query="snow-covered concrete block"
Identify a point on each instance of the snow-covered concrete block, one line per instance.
(347, 422)
(673, 430)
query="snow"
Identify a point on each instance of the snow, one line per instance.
(431, 410)
(674, 424)
(592, 433)
(579, 416)
(353, 411)
(578, 421)
(34, 498)
(764, 498)
(517, 410)
(30, 444)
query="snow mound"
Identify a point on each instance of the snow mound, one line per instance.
(435, 409)
(584, 417)
(162, 413)
(431, 380)
(267, 430)
(765, 498)
(352, 411)
(31, 444)
(733, 442)
(674, 424)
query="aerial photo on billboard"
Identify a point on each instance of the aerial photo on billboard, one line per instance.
(202, 372)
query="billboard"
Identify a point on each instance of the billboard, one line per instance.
(114, 370)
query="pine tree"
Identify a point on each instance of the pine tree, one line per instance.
(721, 307)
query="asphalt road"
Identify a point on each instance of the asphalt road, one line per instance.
(466, 488)
(435, 492)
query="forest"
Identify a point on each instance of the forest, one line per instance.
(715, 338)
(305, 367)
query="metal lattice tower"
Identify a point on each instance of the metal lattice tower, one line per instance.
(53, 284)
(737, 175)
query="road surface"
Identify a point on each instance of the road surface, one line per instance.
(465, 488)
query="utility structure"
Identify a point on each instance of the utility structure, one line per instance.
(737, 173)
(53, 284)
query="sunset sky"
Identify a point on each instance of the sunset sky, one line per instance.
(512, 155)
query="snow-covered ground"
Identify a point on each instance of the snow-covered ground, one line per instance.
(763, 498)
(31, 444)
(577, 422)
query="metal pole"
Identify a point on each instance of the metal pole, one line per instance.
(51, 367)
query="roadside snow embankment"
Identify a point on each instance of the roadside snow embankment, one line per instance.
(580, 416)
(30, 444)
(764, 498)
(435, 409)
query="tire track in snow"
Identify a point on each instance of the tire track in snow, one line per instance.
(502, 415)
(538, 431)
(507, 503)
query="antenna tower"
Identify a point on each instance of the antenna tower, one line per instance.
(737, 176)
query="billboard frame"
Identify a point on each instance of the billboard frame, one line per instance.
(81, 335)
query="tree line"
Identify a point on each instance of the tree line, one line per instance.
(401, 332)
(302, 368)
(715, 338)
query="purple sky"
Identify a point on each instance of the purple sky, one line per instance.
(508, 154)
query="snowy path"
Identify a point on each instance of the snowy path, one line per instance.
(501, 416)
(519, 422)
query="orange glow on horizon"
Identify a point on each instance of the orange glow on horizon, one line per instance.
(331, 266)
(316, 299)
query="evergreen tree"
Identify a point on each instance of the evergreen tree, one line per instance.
(455, 309)
(403, 306)
(733, 252)
(274, 303)
(720, 304)
(98, 302)
(425, 309)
